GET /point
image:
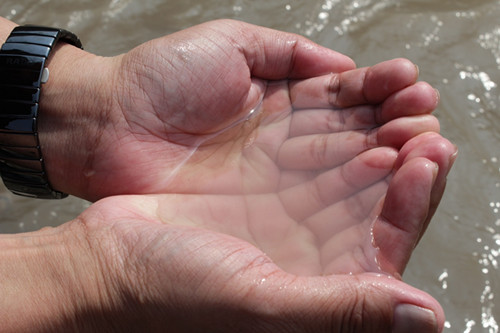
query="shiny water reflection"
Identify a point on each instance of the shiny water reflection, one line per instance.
(455, 43)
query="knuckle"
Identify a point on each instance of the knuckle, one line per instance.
(319, 150)
(361, 313)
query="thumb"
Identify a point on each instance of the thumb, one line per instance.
(277, 55)
(353, 303)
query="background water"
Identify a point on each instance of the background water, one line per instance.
(456, 44)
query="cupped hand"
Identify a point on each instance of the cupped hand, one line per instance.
(203, 262)
(221, 108)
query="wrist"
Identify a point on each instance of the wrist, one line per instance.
(74, 106)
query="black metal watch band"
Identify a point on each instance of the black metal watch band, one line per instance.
(22, 72)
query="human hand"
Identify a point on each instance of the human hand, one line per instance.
(172, 95)
(215, 263)
(190, 263)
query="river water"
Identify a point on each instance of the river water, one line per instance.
(456, 44)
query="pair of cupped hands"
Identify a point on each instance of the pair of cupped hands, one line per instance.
(249, 180)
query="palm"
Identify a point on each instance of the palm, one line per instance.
(319, 245)
(173, 93)
(279, 181)
(309, 237)
(212, 145)
(372, 230)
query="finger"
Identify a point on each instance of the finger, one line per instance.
(369, 85)
(276, 55)
(417, 99)
(437, 149)
(399, 131)
(404, 212)
(431, 146)
(321, 151)
(422, 197)
(304, 200)
(360, 303)
(323, 121)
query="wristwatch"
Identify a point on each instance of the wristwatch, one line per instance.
(22, 72)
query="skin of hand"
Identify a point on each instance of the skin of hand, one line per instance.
(168, 262)
(171, 260)
(150, 107)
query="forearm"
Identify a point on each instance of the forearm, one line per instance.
(48, 282)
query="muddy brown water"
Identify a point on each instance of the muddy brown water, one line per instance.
(457, 47)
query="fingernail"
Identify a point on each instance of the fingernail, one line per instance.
(412, 318)
(452, 159)
(438, 95)
(435, 172)
(453, 156)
